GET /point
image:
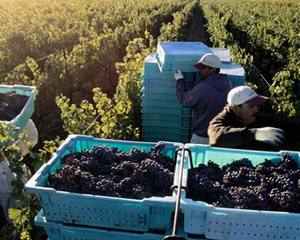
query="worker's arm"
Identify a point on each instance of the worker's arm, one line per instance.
(289, 126)
(221, 133)
(188, 98)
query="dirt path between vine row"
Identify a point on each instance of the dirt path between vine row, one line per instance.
(197, 31)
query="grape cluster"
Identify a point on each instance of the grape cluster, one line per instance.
(109, 172)
(11, 104)
(267, 186)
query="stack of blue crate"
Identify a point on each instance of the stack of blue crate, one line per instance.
(163, 118)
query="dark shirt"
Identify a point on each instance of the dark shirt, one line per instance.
(226, 130)
(206, 100)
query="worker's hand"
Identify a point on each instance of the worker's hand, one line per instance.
(270, 135)
(178, 74)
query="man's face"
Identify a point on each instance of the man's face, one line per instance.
(247, 112)
(205, 71)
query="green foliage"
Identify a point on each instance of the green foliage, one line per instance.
(177, 29)
(221, 37)
(22, 219)
(45, 152)
(118, 117)
(21, 222)
(78, 42)
(22, 226)
(10, 151)
(286, 91)
(99, 120)
(273, 41)
(27, 73)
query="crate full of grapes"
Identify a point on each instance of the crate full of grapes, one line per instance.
(108, 183)
(242, 194)
(16, 105)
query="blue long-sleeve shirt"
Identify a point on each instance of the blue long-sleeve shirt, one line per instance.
(206, 100)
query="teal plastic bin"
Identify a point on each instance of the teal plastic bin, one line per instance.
(22, 118)
(58, 231)
(235, 224)
(236, 73)
(183, 55)
(101, 211)
(222, 53)
(165, 117)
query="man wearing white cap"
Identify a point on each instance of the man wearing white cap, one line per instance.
(241, 125)
(207, 98)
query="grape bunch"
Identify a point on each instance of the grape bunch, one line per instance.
(267, 186)
(11, 104)
(107, 171)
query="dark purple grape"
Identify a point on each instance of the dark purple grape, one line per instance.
(109, 172)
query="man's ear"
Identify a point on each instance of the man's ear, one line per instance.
(212, 70)
(235, 108)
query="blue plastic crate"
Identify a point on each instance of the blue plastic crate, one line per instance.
(150, 62)
(183, 139)
(222, 53)
(165, 117)
(148, 83)
(162, 111)
(159, 90)
(235, 224)
(166, 137)
(183, 55)
(58, 231)
(157, 82)
(147, 96)
(152, 71)
(178, 112)
(163, 127)
(158, 104)
(22, 118)
(236, 73)
(101, 211)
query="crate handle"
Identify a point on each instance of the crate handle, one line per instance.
(190, 155)
(191, 158)
(218, 213)
(69, 232)
(177, 203)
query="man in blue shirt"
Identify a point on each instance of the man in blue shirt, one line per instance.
(207, 98)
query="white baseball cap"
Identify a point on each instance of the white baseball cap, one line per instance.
(242, 94)
(210, 60)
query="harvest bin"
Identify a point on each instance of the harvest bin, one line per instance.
(101, 211)
(22, 118)
(59, 231)
(236, 224)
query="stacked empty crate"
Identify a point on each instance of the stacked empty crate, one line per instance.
(163, 118)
